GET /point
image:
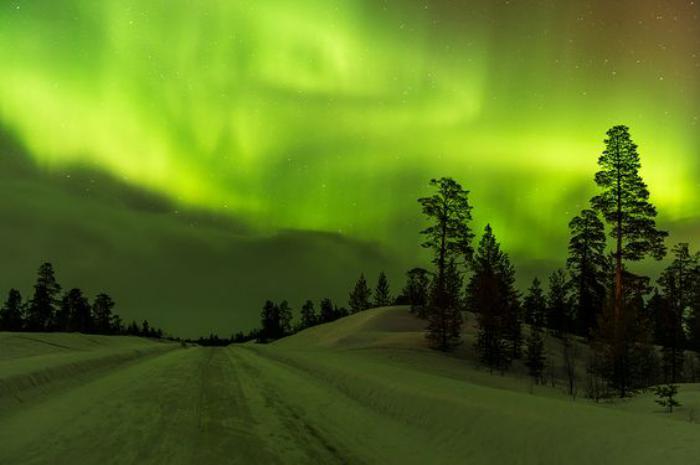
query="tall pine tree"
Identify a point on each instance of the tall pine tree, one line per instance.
(624, 204)
(586, 265)
(449, 238)
(42, 307)
(360, 296)
(490, 295)
(11, 318)
(382, 292)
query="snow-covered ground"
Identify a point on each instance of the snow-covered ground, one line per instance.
(360, 390)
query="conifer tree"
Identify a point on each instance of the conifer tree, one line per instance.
(11, 318)
(490, 296)
(624, 204)
(445, 324)
(102, 311)
(449, 238)
(42, 307)
(382, 293)
(417, 289)
(586, 265)
(327, 312)
(285, 319)
(360, 296)
(76, 308)
(534, 353)
(535, 305)
(308, 315)
(677, 282)
(558, 308)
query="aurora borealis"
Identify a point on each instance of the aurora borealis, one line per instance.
(329, 116)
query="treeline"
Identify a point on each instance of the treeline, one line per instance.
(623, 317)
(276, 319)
(51, 310)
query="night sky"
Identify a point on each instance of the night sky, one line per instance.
(195, 157)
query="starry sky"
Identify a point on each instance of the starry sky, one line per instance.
(196, 157)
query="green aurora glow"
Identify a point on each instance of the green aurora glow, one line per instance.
(331, 115)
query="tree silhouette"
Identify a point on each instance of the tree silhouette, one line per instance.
(77, 309)
(586, 265)
(360, 296)
(417, 289)
(490, 295)
(534, 353)
(535, 305)
(445, 324)
(42, 307)
(624, 204)
(11, 312)
(449, 238)
(327, 312)
(102, 311)
(677, 282)
(558, 308)
(308, 315)
(382, 292)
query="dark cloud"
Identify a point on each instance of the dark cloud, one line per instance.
(190, 271)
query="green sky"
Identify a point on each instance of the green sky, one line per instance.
(329, 116)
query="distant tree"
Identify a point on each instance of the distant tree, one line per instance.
(677, 282)
(445, 324)
(569, 355)
(416, 290)
(382, 293)
(285, 319)
(11, 312)
(666, 396)
(133, 329)
(308, 315)
(146, 330)
(449, 238)
(624, 204)
(42, 307)
(693, 317)
(535, 305)
(534, 353)
(490, 296)
(586, 265)
(558, 307)
(275, 321)
(76, 308)
(327, 312)
(360, 296)
(104, 318)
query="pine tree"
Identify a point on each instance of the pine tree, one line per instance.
(76, 308)
(666, 396)
(42, 307)
(586, 264)
(327, 312)
(416, 290)
(677, 282)
(308, 315)
(534, 353)
(558, 308)
(624, 204)
(360, 296)
(490, 297)
(11, 312)
(449, 237)
(535, 305)
(382, 293)
(285, 320)
(146, 330)
(445, 323)
(102, 310)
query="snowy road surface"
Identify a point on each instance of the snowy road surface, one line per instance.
(194, 406)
